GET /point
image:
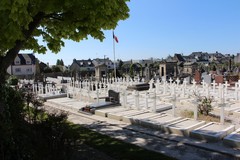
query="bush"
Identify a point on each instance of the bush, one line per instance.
(204, 104)
(12, 80)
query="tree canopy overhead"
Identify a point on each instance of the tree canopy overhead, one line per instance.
(24, 21)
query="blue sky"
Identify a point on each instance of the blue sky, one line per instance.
(158, 28)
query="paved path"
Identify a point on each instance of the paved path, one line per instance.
(171, 145)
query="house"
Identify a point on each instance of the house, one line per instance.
(82, 68)
(199, 56)
(24, 65)
(216, 56)
(237, 58)
(189, 67)
(178, 57)
(106, 61)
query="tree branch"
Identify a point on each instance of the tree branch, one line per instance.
(12, 53)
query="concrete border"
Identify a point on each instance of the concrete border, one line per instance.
(158, 122)
(233, 139)
(211, 136)
(178, 128)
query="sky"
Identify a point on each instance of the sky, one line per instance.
(158, 28)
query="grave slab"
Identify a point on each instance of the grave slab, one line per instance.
(163, 107)
(158, 121)
(103, 112)
(52, 96)
(229, 108)
(119, 115)
(212, 132)
(233, 139)
(135, 118)
(183, 126)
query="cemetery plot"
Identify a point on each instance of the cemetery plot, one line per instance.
(212, 132)
(158, 121)
(52, 96)
(135, 119)
(229, 108)
(233, 139)
(183, 126)
(104, 111)
(119, 115)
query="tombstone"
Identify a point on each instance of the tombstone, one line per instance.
(113, 96)
(163, 79)
(207, 79)
(147, 73)
(178, 82)
(197, 76)
(219, 79)
(204, 74)
(187, 79)
(218, 72)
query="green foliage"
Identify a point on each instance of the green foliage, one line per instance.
(28, 132)
(57, 68)
(47, 70)
(204, 104)
(56, 20)
(12, 80)
(60, 62)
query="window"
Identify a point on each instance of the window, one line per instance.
(28, 62)
(17, 70)
(17, 62)
(29, 69)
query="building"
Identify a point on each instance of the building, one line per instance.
(82, 68)
(189, 68)
(237, 58)
(106, 61)
(24, 66)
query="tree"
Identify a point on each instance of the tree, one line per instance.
(61, 62)
(58, 62)
(23, 22)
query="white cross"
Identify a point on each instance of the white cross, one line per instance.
(185, 82)
(214, 85)
(226, 85)
(194, 82)
(203, 83)
(236, 91)
(238, 83)
(221, 93)
(178, 81)
(170, 80)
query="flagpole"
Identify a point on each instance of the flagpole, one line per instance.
(114, 65)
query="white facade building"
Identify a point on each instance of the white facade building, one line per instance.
(23, 65)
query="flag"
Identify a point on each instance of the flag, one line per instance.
(115, 37)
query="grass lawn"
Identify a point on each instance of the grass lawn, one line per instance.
(115, 148)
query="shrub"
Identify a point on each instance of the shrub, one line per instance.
(12, 80)
(204, 104)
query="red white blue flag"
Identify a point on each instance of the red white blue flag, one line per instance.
(115, 38)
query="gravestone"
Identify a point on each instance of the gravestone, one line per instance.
(113, 96)
(197, 77)
(207, 79)
(204, 74)
(139, 87)
(219, 79)
(187, 80)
